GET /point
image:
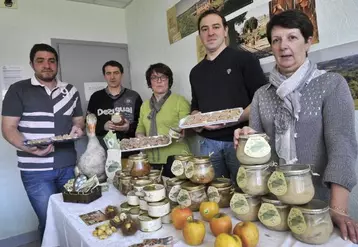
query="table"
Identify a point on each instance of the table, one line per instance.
(64, 227)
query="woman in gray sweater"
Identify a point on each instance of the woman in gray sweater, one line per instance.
(308, 115)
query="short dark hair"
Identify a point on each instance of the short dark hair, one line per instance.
(42, 47)
(212, 12)
(113, 64)
(291, 19)
(159, 68)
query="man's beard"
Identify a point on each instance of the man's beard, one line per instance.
(47, 78)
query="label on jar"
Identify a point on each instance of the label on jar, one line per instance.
(184, 198)
(177, 168)
(241, 178)
(173, 193)
(257, 147)
(268, 215)
(277, 183)
(213, 194)
(239, 204)
(189, 169)
(296, 221)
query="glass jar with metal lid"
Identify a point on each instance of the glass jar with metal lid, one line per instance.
(191, 195)
(200, 170)
(139, 184)
(245, 207)
(173, 188)
(311, 223)
(273, 213)
(292, 184)
(125, 184)
(220, 190)
(155, 176)
(253, 149)
(253, 179)
(179, 165)
(139, 165)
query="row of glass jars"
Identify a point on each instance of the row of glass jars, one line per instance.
(125, 182)
(198, 169)
(292, 184)
(188, 194)
(310, 223)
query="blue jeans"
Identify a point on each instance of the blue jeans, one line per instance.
(40, 185)
(223, 158)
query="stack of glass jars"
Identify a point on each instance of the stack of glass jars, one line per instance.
(308, 219)
(253, 153)
(195, 183)
(200, 172)
(137, 174)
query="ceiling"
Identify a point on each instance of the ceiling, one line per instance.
(109, 3)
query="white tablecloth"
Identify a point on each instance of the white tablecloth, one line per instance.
(64, 227)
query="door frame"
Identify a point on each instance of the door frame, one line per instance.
(56, 42)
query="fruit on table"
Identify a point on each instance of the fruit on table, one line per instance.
(194, 232)
(103, 231)
(220, 223)
(248, 233)
(227, 240)
(208, 210)
(129, 227)
(180, 215)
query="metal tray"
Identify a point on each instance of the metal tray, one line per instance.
(149, 147)
(50, 140)
(182, 121)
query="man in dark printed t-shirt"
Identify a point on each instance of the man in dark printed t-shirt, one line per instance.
(115, 99)
(42, 107)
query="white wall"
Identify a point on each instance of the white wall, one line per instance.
(148, 43)
(148, 38)
(33, 22)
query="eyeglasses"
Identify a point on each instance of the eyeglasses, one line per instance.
(156, 78)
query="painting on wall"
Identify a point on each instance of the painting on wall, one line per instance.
(182, 18)
(348, 68)
(247, 31)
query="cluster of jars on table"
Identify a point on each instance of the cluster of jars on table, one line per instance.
(146, 200)
(281, 197)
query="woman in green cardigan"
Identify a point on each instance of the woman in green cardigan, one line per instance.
(162, 111)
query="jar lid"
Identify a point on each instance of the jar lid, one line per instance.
(191, 186)
(125, 205)
(142, 182)
(175, 181)
(253, 135)
(269, 198)
(183, 157)
(134, 211)
(160, 203)
(146, 217)
(296, 169)
(153, 187)
(140, 156)
(221, 182)
(257, 167)
(315, 206)
(201, 159)
(154, 172)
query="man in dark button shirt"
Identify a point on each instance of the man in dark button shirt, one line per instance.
(224, 79)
